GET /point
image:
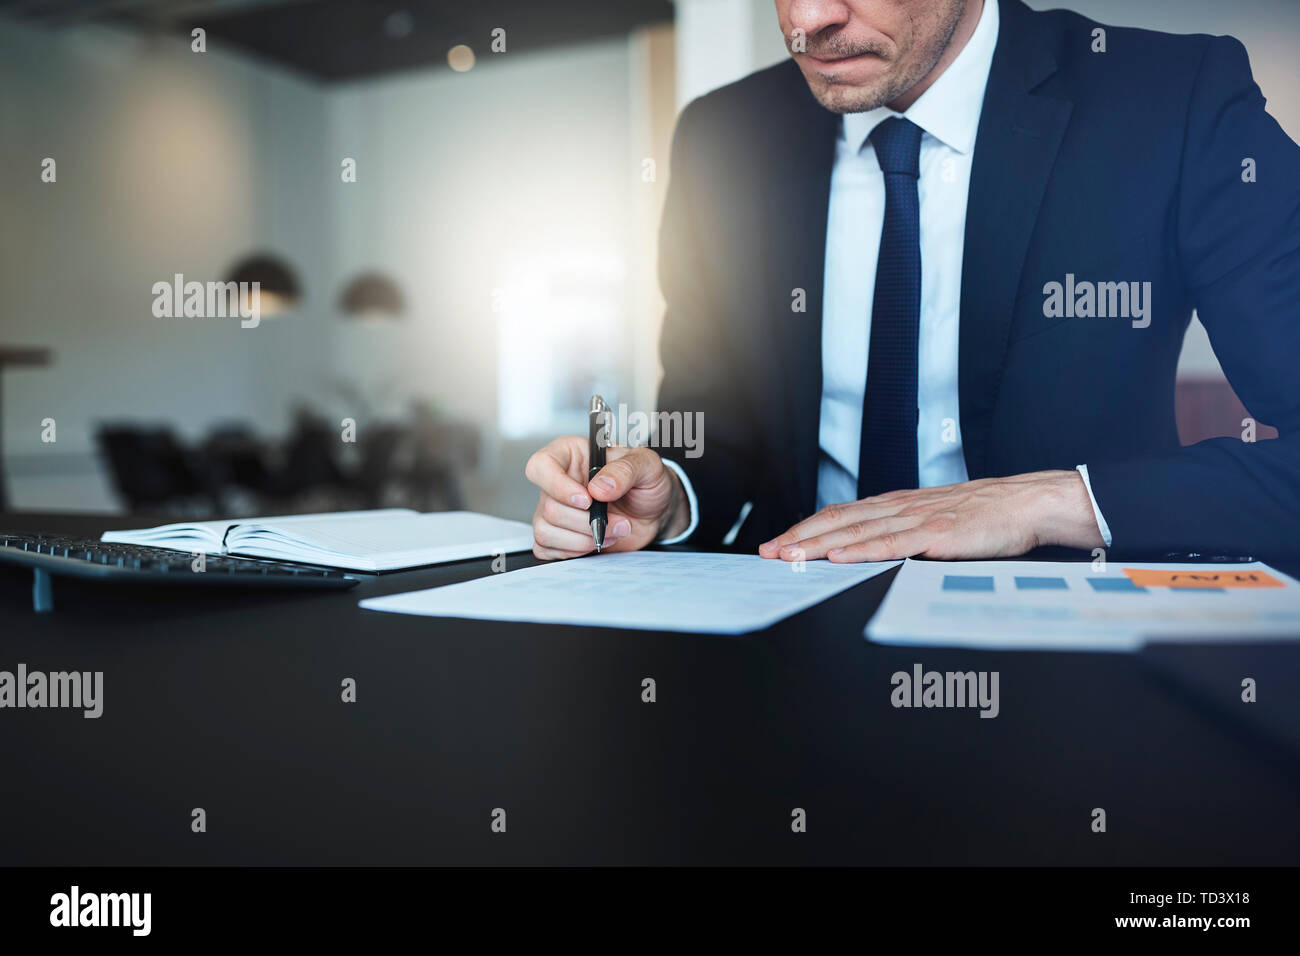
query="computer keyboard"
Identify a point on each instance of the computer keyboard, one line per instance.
(87, 558)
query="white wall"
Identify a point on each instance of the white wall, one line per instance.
(168, 161)
(469, 186)
(171, 161)
(463, 176)
(720, 41)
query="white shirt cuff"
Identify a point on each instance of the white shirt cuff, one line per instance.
(1096, 512)
(690, 497)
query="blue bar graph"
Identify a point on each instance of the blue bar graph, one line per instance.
(1041, 584)
(1115, 584)
(967, 582)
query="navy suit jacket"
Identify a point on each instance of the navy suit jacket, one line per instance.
(1116, 166)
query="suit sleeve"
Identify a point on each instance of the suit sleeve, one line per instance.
(1239, 246)
(702, 373)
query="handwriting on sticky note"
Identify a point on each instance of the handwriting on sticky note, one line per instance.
(1149, 578)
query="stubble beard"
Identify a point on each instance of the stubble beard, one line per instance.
(840, 97)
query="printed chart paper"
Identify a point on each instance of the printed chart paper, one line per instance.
(1066, 605)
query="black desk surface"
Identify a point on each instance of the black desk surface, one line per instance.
(232, 703)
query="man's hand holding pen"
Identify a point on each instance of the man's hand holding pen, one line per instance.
(645, 500)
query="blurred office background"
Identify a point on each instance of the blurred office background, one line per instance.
(492, 264)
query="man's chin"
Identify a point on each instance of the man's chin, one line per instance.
(839, 98)
(843, 97)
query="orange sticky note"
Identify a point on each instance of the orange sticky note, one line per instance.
(1149, 578)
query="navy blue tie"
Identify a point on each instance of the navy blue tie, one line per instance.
(887, 459)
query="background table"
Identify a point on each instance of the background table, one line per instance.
(232, 703)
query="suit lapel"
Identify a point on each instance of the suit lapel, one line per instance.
(800, 184)
(1015, 149)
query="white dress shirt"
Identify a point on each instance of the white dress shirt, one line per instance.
(948, 114)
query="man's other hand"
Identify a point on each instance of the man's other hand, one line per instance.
(990, 518)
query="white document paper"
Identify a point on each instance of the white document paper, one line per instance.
(648, 590)
(1066, 605)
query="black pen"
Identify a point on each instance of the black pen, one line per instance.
(597, 416)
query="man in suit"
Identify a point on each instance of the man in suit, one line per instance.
(927, 283)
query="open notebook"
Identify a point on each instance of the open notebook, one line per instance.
(384, 540)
